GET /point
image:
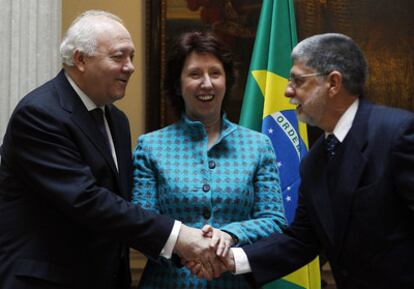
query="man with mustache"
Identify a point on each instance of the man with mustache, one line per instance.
(356, 199)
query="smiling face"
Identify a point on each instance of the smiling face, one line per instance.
(106, 73)
(203, 85)
(309, 94)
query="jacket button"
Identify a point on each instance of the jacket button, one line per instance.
(206, 188)
(211, 164)
(206, 213)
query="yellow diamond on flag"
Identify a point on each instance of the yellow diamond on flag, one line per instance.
(273, 88)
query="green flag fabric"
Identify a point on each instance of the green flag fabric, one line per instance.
(266, 109)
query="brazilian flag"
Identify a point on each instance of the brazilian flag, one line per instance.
(266, 109)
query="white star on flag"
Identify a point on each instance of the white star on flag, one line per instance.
(279, 164)
(270, 130)
(288, 198)
(288, 188)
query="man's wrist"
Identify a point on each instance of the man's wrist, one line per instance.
(241, 262)
(169, 246)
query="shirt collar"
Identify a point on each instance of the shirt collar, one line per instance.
(344, 124)
(89, 104)
(227, 126)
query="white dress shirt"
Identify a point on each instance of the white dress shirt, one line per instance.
(90, 105)
(344, 124)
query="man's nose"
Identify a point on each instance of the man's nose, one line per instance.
(289, 91)
(128, 66)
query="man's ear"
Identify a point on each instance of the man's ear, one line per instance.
(78, 59)
(335, 83)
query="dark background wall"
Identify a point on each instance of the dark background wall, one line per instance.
(384, 29)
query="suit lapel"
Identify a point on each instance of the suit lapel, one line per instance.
(71, 102)
(85, 122)
(315, 170)
(349, 172)
(350, 169)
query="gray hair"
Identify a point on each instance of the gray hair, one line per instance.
(332, 51)
(81, 34)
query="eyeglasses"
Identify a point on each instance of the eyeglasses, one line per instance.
(296, 81)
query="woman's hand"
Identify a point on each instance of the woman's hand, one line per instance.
(220, 241)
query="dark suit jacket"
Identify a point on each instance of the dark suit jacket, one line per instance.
(358, 208)
(64, 217)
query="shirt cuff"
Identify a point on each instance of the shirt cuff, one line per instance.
(241, 262)
(166, 252)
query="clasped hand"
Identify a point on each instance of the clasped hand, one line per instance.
(205, 252)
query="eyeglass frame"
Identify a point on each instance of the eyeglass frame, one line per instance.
(292, 82)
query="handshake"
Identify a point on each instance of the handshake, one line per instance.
(205, 252)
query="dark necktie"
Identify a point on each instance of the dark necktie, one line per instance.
(331, 143)
(98, 116)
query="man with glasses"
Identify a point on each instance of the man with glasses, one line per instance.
(356, 199)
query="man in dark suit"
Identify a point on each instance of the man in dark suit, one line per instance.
(66, 174)
(356, 199)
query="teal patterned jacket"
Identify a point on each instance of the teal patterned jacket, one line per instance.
(233, 186)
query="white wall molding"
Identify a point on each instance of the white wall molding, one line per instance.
(30, 33)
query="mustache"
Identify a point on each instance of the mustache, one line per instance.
(294, 101)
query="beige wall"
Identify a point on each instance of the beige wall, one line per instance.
(132, 13)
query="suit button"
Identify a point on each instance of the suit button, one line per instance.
(211, 164)
(206, 213)
(206, 188)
